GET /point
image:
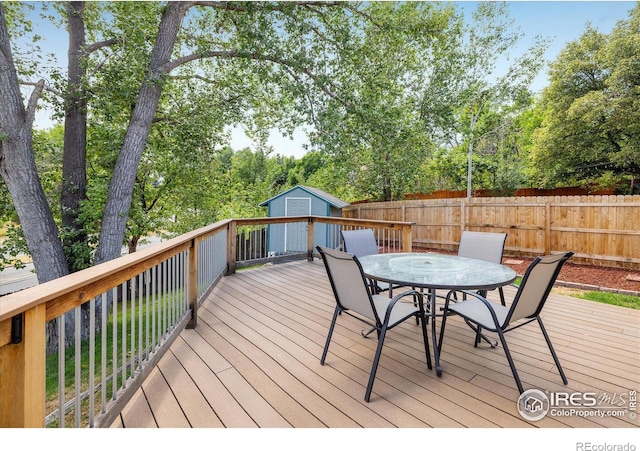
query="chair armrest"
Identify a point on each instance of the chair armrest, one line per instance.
(397, 297)
(484, 300)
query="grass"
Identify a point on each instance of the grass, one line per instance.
(622, 300)
(137, 316)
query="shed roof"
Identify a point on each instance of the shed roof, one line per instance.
(334, 201)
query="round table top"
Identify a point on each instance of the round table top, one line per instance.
(436, 271)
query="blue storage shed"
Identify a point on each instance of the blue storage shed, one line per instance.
(302, 201)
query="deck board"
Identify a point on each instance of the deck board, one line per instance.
(253, 361)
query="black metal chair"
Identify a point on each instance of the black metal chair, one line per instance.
(525, 308)
(354, 298)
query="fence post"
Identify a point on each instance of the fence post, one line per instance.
(193, 283)
(407, 238)
(231, 247)
(310, 234)
(547, 228)
(23, 370)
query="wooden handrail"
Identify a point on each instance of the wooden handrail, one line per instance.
(22, 362)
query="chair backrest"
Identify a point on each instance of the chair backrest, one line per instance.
(536, 285)
(482, 245)
(348, 282)
(359, 242)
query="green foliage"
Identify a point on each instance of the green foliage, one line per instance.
(396, 93)
(469, 107)
(373, 130)
(48, 152)
(13, 248)
(591, 130)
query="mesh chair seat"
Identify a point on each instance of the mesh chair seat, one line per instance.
(401, 311)
(476, 309)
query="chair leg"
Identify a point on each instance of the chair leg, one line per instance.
(374, 368)
(553, 352)
(478, 337)
(336, 312)
(501, 292)
(425, 337)
(442, 325)
(510, 360)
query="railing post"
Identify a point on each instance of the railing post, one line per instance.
(193, 283)
(310, 235)
(22, 375)
(231, 247)
(407, 238)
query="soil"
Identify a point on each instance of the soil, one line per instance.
(587, 276)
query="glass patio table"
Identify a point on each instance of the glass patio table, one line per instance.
(436, 272)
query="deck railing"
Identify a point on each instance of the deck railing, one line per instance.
(118, 318)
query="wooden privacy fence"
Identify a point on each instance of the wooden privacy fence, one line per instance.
(601, 230)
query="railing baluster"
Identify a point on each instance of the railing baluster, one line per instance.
(147, 313)
(114, 351)
(185, 285)
(132, 335)
(154, 302)
(103, 352)
(92, 359)
(124, 335)
(61, 371)
(140, 324)
(78, 365)
(165, 300)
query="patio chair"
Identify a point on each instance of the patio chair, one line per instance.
(483, 246)
(525, 308)
(362, 242)
(354, 298)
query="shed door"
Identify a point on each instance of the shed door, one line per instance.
(296, 234)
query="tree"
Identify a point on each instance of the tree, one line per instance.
(374, 133)
(460, 92)
(591, 131)
(274, 61)
(18, 167)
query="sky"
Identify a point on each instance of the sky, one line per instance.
(562, 21)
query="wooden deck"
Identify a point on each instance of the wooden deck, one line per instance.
(253, 361)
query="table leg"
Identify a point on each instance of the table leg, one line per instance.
(436, 351)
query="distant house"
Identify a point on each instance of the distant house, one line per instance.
(302, 201)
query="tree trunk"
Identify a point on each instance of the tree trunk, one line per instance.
(114, 220)
(74, 171)
(18, 169)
